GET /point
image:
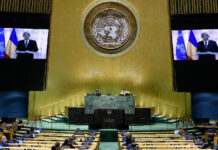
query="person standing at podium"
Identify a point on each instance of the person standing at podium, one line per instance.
(26, 45)
(206, 45)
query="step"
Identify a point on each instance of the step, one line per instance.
(160, 116)
(164, 118)
(48, 120)
(171, 121)
(55, 118)
(155, 115)
(26, 129)
(19, 135)
(21, 132)
(198, 133)
(28, 126)
(61, 116)
(59, 119)
(192, 130)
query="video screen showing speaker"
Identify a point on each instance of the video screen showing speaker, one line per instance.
(194, 53)
(23, 51)
(195, 45)
(23, 43)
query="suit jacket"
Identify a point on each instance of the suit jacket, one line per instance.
(32, 46)
(212, 47)
(97, 93)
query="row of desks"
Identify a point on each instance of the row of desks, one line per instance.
(46, 140)
(207, 134)
(158, 140)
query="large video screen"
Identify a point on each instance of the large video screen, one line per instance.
(23, 43)
(195, 44)
(194, 52)
(23, 51)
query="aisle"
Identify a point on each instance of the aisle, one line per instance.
(108, 146)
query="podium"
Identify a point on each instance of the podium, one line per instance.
(110, 119)
(109, 112)
(24, 52)
(208, 53)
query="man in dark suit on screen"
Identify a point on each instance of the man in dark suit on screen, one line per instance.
(207, 45)
(26, 47)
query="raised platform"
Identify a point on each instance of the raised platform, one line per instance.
(66, 126)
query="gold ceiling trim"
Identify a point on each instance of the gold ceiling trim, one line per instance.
(189, 7)
(26, 6)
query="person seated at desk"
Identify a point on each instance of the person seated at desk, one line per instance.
(14, 139)
(67, 144)
(129, 139)
(124, 93)
(97, 92)
(78, 132)
(134, 147)
(4, 142)
(56, 146)
(72, 140)
(181, 131)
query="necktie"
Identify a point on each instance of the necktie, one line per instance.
(206, 44)
(26, 43)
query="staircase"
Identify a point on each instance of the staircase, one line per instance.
(55, 119)
(163, 119)
(23, 131)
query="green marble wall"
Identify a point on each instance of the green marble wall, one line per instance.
(110, 102)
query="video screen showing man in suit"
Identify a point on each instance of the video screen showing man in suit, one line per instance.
(206, 45)
(195, 45)
(27, 47)
(23, 43)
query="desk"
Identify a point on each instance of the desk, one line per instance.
(9, 134)
(206, 126)
(216, 140)
(109, 102)
(213, 135)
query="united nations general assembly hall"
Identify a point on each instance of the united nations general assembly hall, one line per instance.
(108, 74)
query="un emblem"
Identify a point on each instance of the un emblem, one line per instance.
(110, 28)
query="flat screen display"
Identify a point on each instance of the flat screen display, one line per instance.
(194, 52)
(195, 45)
(24, 51)
(23, 43)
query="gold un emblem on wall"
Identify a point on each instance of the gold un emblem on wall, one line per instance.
(110, 28)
